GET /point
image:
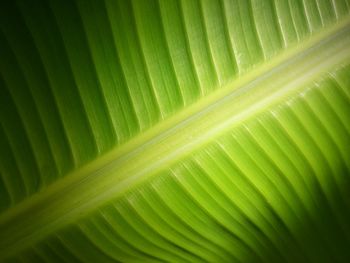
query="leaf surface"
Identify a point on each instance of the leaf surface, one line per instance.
(181, 131)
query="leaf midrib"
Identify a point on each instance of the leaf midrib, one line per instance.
(121, 169)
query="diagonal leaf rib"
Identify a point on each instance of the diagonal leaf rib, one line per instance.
(116, 172)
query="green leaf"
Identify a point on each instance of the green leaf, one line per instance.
(180, 131)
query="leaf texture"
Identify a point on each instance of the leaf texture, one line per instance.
(181, 131)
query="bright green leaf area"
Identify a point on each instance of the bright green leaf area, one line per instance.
(175, 131)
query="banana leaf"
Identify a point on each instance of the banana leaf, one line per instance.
(175, 131)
